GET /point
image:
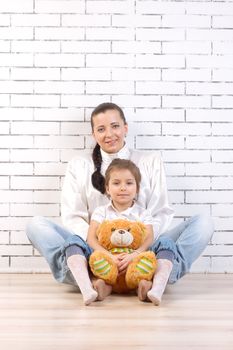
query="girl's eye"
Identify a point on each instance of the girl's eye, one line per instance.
(100, 130)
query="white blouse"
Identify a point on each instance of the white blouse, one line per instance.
(79, 198)
(134, 213)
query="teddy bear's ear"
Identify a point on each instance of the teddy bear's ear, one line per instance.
(113, 229)
(129, 229)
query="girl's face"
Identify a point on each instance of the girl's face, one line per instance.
(109, 131)
(122, 188)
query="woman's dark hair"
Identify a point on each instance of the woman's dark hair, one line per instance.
(98, 180)
(122, 164)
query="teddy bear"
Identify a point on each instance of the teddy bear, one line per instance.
(122, 236)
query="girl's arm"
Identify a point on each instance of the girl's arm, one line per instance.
(92, 238)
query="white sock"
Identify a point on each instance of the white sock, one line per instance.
(78, 266)
(161, 276)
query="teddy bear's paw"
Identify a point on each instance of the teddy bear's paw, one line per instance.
(103, 267)
(142, 268)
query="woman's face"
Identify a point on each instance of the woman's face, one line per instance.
(109, 131)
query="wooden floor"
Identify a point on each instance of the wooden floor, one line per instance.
(36, 313)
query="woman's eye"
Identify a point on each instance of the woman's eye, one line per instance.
(115, 126)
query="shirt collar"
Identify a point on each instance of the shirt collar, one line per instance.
(107, 158)
(124, 212)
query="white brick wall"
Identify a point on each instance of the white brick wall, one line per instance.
(169, 64)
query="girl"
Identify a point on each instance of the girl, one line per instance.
(83, 192)
(122, 182)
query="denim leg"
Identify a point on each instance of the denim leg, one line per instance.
(51, 240)
(164, 247)
(191, 238)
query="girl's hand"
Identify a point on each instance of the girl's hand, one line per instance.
(124, 262)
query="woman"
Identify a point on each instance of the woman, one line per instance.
(83, 191)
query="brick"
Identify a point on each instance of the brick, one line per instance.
(86, 47)
(136, 47)
(188, 183)
(16, 196)
(186, 129)
(110, 34)
(209, 115)
(35, 100)
(223, 210)
(4, 155)
(34, 183)
(43, 196)
(4, 209)
(16, 141)
(186, 47)
(60, 6)
(186, 101)
(136, 20)
(76, 128)
(172, 169)
(223, 182)
(59, 114)
(76, 20)
(4, 73)
(14, 6)
(222, 129)
(222, 22)
(35, 46)
(34, 209)
(202, 264)
(59, 87)
(186, 21)
(109, 60)
(59, 33)
(59, 60)
(13, 33)
(110, 87)
(86, 74)
(160, 7)
(211, 197)
(222, 101)
(222, 264)
(16, 169)
(35, 73)
(159, 115)
(12, 87)
(170, 142)
(121, 7)
(59, 142)
(29, 264)
(223, 47)
(186, 74)
(211, 169)
(184, 210)
(12, 223)
(162, 88)
(35, 20)
(162, 61)
(137, 74)
(209, 88)
(34, 155)
(19, 237)
(16, 114)
(160, 34)
(222, 156)
(4, 100)
(186, 156)
(35, 128)
(222, 237)
(49, 169)
(4, 127)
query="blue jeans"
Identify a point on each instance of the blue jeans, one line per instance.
(187, 241)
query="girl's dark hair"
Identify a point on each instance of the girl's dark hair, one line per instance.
(97, 179)
(120, 164)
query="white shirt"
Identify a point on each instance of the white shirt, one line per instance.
(134, 213)
(79, 197)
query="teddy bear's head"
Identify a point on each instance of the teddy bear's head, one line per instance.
(121, 233)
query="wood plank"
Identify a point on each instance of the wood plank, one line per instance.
(36, 313)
